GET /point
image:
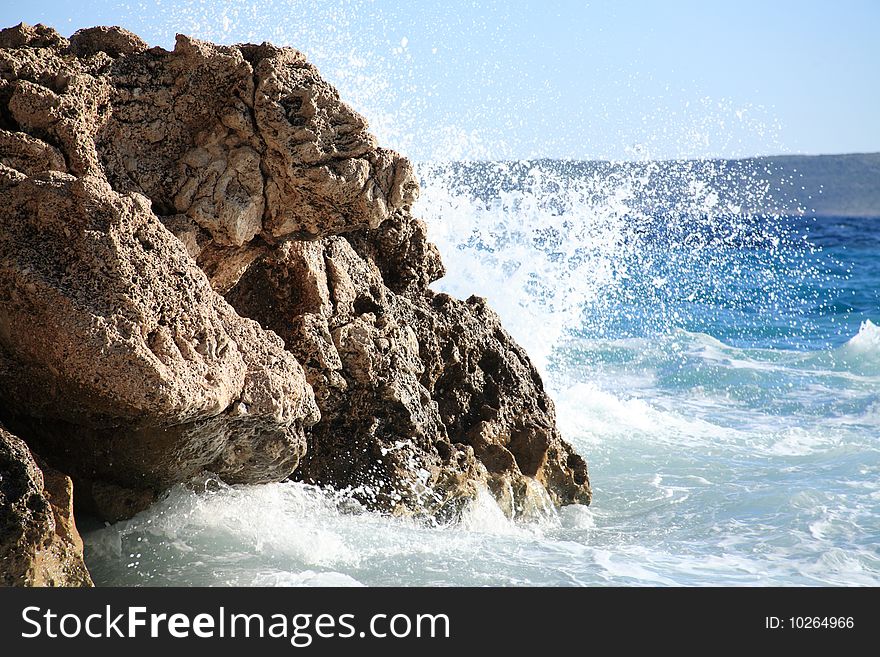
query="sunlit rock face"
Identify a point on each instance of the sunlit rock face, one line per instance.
(207, 264)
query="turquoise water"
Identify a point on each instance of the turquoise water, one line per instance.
(721, 373)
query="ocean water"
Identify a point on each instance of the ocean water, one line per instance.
(720, 371)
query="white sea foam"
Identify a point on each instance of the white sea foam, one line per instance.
(588, 414)
(867, 340)
(305, 578)
(861, 353)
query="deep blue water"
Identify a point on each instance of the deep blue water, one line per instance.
(803, 283)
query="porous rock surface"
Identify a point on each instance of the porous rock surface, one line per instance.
(39, 543)
(208, 264)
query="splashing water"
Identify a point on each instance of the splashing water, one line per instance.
(618, 249)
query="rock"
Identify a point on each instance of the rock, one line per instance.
(37, 36)
(325, 173)
(114, 41)
(407, 261)
(29, 155)
(39, 543)
(139, 186)
(246, 142)
(54, 97)
(489, 393)
(120, 363)
(421, 396)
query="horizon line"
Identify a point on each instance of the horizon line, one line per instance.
(714, 158)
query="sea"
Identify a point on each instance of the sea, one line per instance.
(712, 345)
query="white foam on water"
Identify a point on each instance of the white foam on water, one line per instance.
(587, 414)
(867, 340)
(305, 579)
(861, 353)
(577, 517)
(618, 567)
(796, 441)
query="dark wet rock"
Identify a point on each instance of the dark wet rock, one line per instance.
(39, 543)
(415, 388)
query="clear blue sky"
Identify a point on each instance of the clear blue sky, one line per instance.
(625, 79)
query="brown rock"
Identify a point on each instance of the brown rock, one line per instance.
(114, 41)
(489, 392)
(39, 543)
(325, 173)
(138, 184)
(36, 36)
(29, 155)
(379, 423)
(53, 96)
(118, 360)
(408, 262)
(246, 141)
(415, 389)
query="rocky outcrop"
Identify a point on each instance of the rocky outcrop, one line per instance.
(39, 543)
(422, 396)
(120, 363)
(166, 217)
(244, 146)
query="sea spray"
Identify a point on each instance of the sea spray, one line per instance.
(621, 249)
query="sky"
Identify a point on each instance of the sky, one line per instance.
(528, 79)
